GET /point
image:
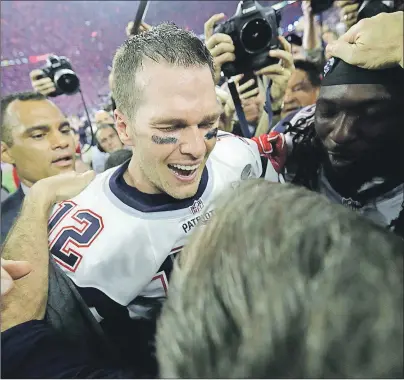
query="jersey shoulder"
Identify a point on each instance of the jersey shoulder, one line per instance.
(305, 113)
(96, 187)
(303, 119)
(237, 153)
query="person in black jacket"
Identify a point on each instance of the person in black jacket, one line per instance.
(37, 139)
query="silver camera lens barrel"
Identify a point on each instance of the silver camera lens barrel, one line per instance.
(67, 81)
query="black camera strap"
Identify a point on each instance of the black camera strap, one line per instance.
(268, 104)
(245, 130)
(239, 109)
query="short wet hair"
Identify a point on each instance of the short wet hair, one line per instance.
(165, 42)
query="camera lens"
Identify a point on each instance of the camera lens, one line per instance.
(67, 81)
(256, 35)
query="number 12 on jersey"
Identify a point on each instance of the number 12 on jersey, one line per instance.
(73, 229)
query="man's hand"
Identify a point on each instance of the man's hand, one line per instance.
(12, 270)
(142, 28)
(306, 8)
(373, 43)
(61, 187)
(228, 109)
(253, 108)
(279, 73)
(273, 146)
(220, 45)
(244, 90)
(44, 86)
(252, 100)
(28, 240)
(348, 12)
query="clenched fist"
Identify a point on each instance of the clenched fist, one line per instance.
(41, 83)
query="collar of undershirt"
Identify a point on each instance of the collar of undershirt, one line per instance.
(143, 202)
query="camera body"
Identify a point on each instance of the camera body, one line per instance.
(254, 31)
(60, 71)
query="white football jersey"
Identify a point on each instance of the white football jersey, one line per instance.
(117, 244)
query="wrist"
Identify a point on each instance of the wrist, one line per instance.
(308, 15)
(38, 201)
(277, 107)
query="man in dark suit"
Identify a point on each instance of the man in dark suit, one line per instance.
(9, 211)
(37, 139)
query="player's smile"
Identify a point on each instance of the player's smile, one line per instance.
(184, 173)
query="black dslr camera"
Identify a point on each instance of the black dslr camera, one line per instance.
(60, 71)
(254, 31)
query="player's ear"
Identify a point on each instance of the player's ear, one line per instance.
(123, 128)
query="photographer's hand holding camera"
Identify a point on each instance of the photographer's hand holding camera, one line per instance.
(279, 73)
(220, 45)
(222, 48)
(41, 83)
(55, 78)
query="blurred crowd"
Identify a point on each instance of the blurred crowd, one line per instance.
(289, 175)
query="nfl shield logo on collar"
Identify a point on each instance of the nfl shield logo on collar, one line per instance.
(197, 206)
(351, 203)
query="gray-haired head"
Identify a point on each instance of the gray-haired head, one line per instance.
(282, 283)
(163, 43)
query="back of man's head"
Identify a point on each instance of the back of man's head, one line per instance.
(300, 288)
(6, 128)
(163, 43)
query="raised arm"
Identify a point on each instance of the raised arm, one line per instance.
(28, 241)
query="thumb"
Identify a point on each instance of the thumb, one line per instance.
(343, 50)
(35, 73)
(6, 282)
(16, 269)
(87, 177)
(128, 28)
(210, 24)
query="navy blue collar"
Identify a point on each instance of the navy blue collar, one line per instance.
(143, 202)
